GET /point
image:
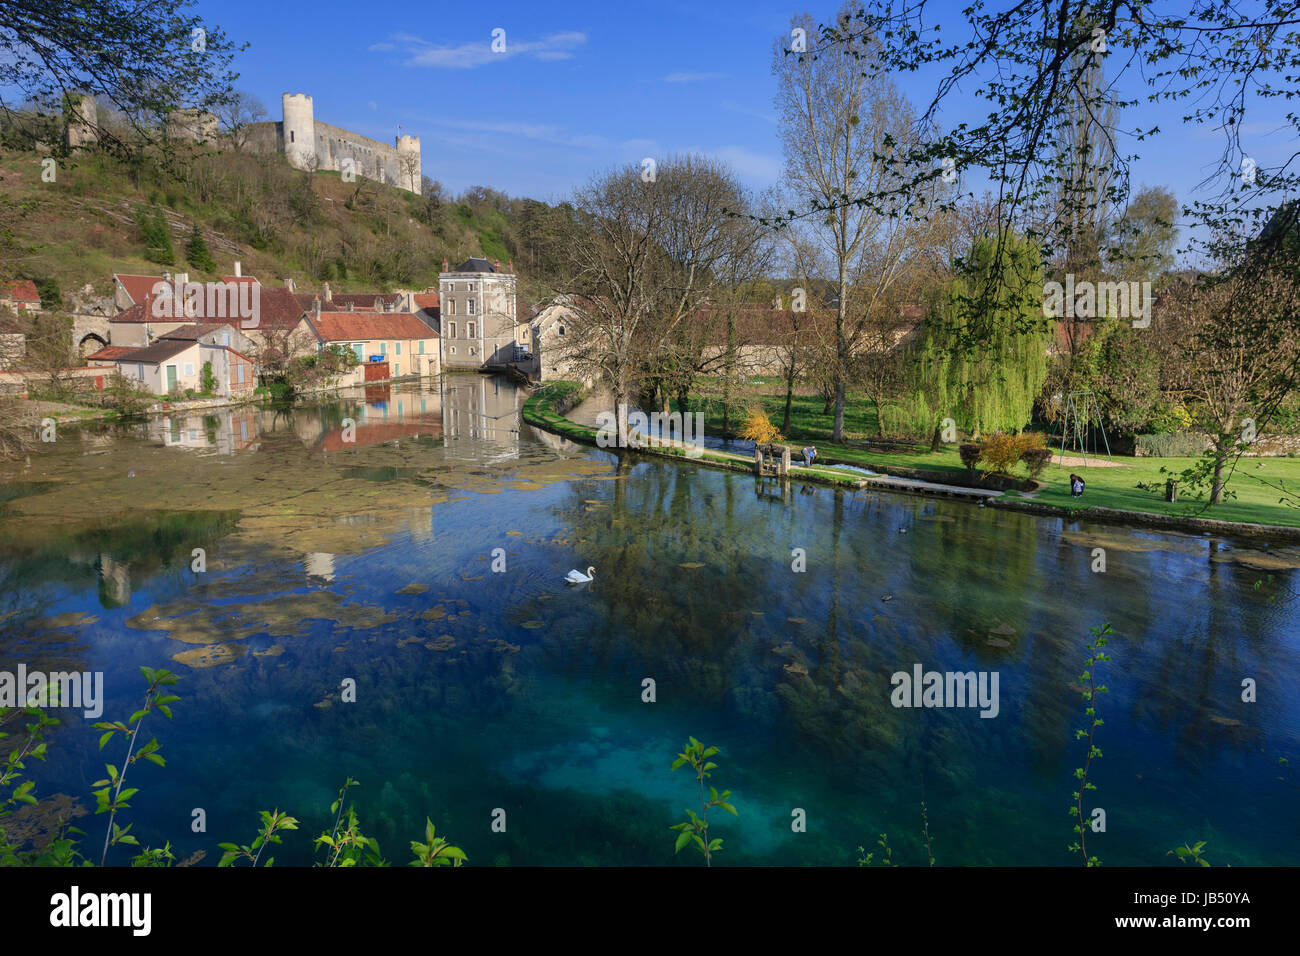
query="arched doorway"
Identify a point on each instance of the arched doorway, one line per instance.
(89, 344)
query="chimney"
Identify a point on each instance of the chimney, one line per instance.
(511, 267)
(239, 269)
(291, 285)
(444, 264)
(496, 265)
(352, 306)
(315, 306)
(325, 292)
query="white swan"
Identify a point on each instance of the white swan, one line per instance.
(577, 577)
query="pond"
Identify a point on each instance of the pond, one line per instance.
(355, 539)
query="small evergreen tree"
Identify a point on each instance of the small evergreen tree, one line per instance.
(156, 236)
(197, 252)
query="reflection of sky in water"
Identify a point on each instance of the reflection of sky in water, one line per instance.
(479, 690)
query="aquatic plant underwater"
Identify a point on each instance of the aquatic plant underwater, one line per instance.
(346, 845)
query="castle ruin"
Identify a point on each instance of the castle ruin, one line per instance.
(310, 144)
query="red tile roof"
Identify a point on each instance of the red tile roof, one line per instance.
(137, 287)
(111, 352)
(426, 300)
(22, 290)
(357, 326)
(278, 309)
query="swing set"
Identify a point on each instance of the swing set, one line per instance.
(1082, 414)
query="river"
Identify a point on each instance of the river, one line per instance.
(411, 542)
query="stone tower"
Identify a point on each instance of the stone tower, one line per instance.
(299, 129)
(83, 121)
(408, 163)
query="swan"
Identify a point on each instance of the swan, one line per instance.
(577, 577)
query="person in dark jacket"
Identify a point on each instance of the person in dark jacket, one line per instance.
(1076, 486)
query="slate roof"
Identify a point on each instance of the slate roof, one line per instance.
(473, 264)
(160, 351)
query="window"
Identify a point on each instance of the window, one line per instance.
(470, 330)
(451, 306)
(240, 373)
(561, 330)
(360, 349)
(470, 308)
(453, 350)
(399, 347)
(383, 348)
(225, 339)
(421, 346)
(397, 370)
(452, 326)
(291, 136)
(139, 372)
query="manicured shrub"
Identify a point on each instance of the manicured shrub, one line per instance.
(1000, 452)
(1035, 460)
(970, 455)
(1173, 445)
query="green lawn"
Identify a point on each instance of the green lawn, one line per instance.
(1114, 487)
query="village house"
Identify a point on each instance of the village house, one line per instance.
(20, 295)
(176, 361)
(386, 344)
(477, 315)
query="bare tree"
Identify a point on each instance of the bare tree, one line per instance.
(1230, 376)
(658, 244)
(236, 114)
(845, 135)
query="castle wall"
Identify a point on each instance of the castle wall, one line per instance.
(373, 159)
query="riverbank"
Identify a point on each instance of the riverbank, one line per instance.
(1113, 494)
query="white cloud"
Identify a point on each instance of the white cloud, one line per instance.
(539, 132)
(693, 77)
(469, 56)
(751, 165)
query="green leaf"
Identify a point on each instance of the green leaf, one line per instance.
(683, 838)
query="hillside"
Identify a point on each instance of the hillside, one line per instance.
(279, 222)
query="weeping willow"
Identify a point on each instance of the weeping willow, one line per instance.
(981, 356)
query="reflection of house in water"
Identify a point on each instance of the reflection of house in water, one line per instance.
(318, 564)
(114, 581)
(386, 414)
(224, 430)
(480, 407)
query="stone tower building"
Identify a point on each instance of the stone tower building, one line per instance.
(477, 314)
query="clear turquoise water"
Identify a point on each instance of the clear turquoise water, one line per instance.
(536, 707)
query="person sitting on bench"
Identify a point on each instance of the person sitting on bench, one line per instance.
(809, 453)
(1076, 486)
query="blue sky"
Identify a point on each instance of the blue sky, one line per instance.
(583, 86)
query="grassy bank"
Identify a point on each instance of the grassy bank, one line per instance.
(1114, 487)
